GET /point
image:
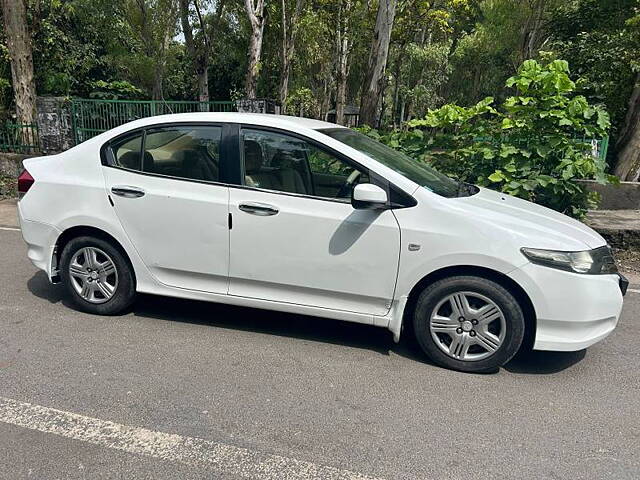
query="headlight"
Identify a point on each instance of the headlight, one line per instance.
(597, 261)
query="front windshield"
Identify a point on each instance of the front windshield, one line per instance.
(414, 170)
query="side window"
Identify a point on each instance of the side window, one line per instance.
(126, 152)
(275, 161)
(191, 152)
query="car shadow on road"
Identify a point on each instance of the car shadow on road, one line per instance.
(307, 328)
(543, 363)
(40, 286)
(316, 329)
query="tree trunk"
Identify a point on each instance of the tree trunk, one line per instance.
(326, 96)
(341, 89)
(157, 92)
(531, 31)
(374, 81)
(255, 12)
(202, 63)
(20, 54)
(383, 105)
(396, 87)
(628, 145)
(158, 78)
(343, 45)
(199, 54)
(289, 31)
(203, 82)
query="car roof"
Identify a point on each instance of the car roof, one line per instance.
(263, 119)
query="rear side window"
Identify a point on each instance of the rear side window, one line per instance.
(191, 152)
(126, 152)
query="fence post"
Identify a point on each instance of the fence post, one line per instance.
(55, 125)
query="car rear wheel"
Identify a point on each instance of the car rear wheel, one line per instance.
(97, 276)
(468, 323)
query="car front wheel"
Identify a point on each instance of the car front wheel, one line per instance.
(97, 276)
(468, 323)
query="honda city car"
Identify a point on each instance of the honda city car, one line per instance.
(303, 216)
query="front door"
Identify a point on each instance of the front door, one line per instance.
(164, 190)
(295, 236)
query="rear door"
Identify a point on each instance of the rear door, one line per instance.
(165, 184)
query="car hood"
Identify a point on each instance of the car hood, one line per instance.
(530, 224)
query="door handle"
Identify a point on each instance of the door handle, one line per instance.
(127, 191)
(261, 209)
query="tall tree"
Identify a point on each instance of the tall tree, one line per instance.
(532, 29)
(628, 143)
(199, 47)
(153, 24)
(199, 54)
(344, 42)
(19, 46)
(628, 166)
(602, 40)
(289, 32)
(375, 78)
(255, 12)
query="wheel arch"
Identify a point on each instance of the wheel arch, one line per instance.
(80, 231)
(503, 280)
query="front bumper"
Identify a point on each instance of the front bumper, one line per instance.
(573, 310)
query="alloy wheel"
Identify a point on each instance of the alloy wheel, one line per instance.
(467, 326)
(93, 275)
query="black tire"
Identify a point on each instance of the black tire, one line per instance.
(432, 296)
(125, 291)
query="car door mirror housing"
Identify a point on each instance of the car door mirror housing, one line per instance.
(369, 196)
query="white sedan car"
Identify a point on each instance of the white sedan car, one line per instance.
(303, 216)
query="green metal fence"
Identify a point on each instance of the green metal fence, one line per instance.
(19, 138)
(91, 117)
(599, 146)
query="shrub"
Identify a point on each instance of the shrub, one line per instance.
(534, 145)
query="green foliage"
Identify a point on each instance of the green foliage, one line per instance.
(8, 185)
(302, 102)
(534, 145)
(115, 90)
(445, 51)
(425, 70)
(601, 39)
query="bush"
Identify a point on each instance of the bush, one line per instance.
(116, 90)
(535, 145)
(8, 186)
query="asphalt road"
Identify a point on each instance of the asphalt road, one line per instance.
(245, 393)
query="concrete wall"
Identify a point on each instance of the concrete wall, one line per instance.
(625, 196)
(11, 163)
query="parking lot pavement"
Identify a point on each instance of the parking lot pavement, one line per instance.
(182, 389)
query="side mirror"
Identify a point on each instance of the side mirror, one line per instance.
(368, 196)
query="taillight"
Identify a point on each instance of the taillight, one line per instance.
(25, 180)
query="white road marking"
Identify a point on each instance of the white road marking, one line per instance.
(633, 290)
(221, 457)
